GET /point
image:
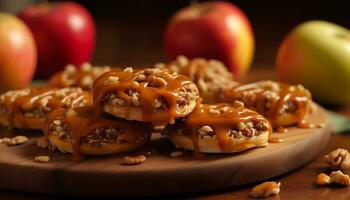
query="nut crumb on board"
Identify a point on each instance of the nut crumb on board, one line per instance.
(323, 179)
(266, 189)
(339, 159)
(176, 154)
(20, 139)
(134, 160)
(4, 140)
(339, 178)
(42, 159)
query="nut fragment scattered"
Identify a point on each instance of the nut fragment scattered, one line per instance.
(323, 179)
(4, 140)
(17, 140)
(339, 159)
(42, 159)
(134, 160)
(176, 154)
(42, 142)
(339, 178)
(266, 189)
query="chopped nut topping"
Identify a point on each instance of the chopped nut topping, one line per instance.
(160, 65)
(135, 99)
(176, 154)
(339, 178)
(42, 142)
(71, 112)
(300, 87)
(140, 78)
(111, 80)
(238, 104)
(205, 130)
(158, 82)
(182, 61)
(17, 140)
(129, 69)
(86, 67)
(214, 112)
(241, 126)
(266, 189)
(134, 160)
(70, 69)
(87, 80)
(323, 179)
(104, 136)
(42, 159)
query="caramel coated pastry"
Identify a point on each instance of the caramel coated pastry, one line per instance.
(72, 77)
(80, 132)
(148, 95)
(220, 128)
(210, 76)
(282, 104)
(27, 108)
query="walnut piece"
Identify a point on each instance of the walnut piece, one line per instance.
(176, 154)
(339, 159)
(266, 189)
(42, 159)
(134, 160)
(323, 179)
(339, 178)
(17, 140)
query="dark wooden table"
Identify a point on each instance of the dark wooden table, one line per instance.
(298, 184)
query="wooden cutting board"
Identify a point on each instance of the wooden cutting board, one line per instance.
(161, 174)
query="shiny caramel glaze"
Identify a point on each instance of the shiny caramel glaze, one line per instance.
(72, 77)
(19, 106)
(282, 104)
(210, 76)
(225, 120)
(82, 122)
(150, 85)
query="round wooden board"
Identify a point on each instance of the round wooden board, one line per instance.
(106, 176)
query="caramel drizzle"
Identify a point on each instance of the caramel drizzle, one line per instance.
(300, 97)
(16, 109)
(221, 124)
(86, 122)
(147, 97)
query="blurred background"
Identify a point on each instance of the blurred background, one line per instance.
(130, 32)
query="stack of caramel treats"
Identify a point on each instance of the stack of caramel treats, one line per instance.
(195, 103)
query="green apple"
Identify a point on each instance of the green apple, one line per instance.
(317, 55)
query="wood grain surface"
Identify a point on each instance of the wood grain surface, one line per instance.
(106, 176)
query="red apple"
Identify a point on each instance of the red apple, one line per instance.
(17, 53)
(213, 30)
(64, 34)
